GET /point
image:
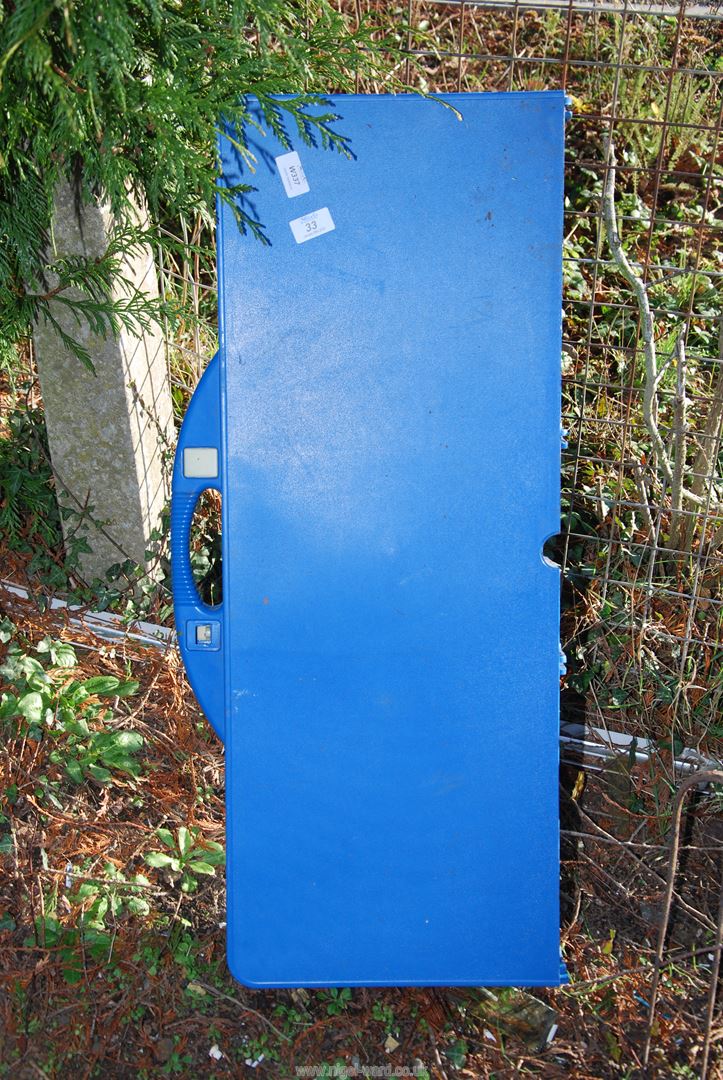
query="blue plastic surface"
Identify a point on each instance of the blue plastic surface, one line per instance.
(204, 665)
(390, 397)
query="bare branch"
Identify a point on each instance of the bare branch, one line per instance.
(646, 316)
(710, 435)
(677, 525)
(652, 375)
(644, 502)
(704, 468)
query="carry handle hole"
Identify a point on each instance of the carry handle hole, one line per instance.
(204, 548)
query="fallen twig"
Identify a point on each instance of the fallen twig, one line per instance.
(245, 1008)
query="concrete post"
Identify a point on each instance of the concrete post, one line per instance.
(108, 432)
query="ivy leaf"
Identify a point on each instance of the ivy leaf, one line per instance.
(65, 655)
(61, 654)
(77, 725)
(31, 707)
(129, 741)
(101, 908)
(18, 666)
(100, 774)
(138, 906)
(74, 770)
(8, 706)
(87, 891)
(72, 969)
(122, 764)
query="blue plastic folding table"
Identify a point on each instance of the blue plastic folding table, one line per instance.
(383, 420)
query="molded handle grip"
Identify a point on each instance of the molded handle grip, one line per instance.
(198, 466)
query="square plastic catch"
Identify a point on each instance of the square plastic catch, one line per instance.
(200, 461)
(203, 635)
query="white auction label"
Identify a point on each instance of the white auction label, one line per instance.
(310, 225)
(292, 174)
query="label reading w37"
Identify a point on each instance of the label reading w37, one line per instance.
(310, 225)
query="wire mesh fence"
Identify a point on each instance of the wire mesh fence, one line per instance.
(641, 562)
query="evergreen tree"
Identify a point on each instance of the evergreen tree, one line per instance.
(123, 97)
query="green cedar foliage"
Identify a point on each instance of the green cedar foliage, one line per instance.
(124, 96)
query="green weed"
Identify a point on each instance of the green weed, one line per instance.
(186, 856)
(43, 703)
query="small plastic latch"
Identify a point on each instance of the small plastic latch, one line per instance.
(568, 108)
(200, 462)
(563, 662)
(203, 634)
(563, 437)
